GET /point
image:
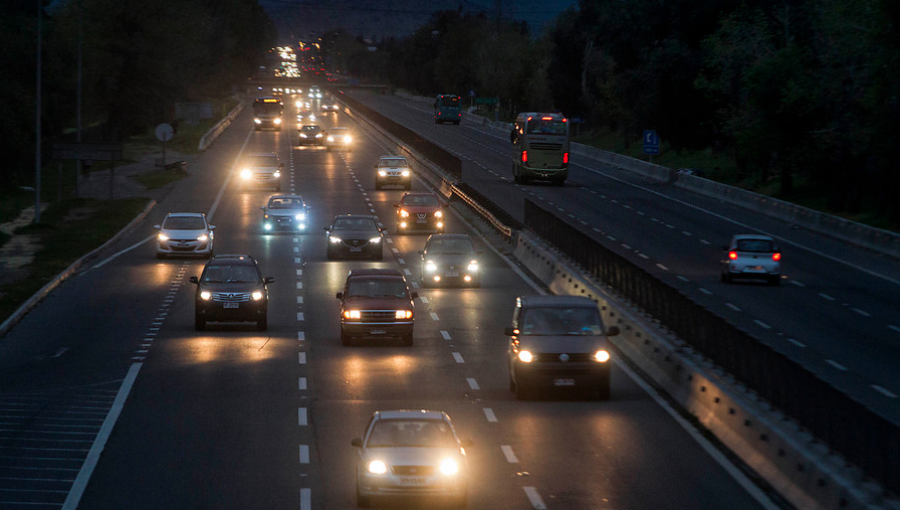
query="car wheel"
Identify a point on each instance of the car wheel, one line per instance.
(262, 322)
(199, 323)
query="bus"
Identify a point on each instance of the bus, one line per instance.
(541, 148)
(446, 109)
(267, 113)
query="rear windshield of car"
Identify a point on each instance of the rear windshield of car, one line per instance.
(422, 200)
(450, 246)
(560, 321)
(230, 274)
(755, 246)
(354, 224)
(263, 161)
(411, 433)
(376, 287)
(184, 223)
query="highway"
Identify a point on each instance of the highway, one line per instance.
(836, 310)
(109, 368)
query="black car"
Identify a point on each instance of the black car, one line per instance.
(231, 289)
(311, 134)
(354, 235)
(450, 259)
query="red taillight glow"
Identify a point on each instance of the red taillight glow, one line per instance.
(732, 255)
(524, 156)
(565, 158)
(546, 118)
(776, 256)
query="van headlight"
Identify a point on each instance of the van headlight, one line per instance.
(438, 214)
(351, 314)
(256, 295)
(246, 174)
(430, 266)
(377, 467)
(258, 121)
(473, 265)
(602, 356)
(382, 173)
(300, 216)
(205, 295)
(277, 120)
(449, 467)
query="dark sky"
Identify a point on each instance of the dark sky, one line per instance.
(299, 19)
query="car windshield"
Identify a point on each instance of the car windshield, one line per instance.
(421, 200)
(755, 245)
(184, 223)
(311, 129)
(450, 246)
(263, 161)
(230, 274)
(411, 433)
(285, 203)
(377, 287)
(561, 321)
(392, 162)
(354, 224)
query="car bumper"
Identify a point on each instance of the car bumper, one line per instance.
(415, 226)
(284, 225)
(389, 180)
(410, 486)
(752, 271)
(454, 277)
(173, 247)
(377, 330)
(545, 173)
(246, 312)
(572, 375)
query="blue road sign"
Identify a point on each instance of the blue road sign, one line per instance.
(651, 142)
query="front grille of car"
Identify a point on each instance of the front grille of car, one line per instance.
(377, 315)
(355, 243)
(554, 357)
(231, 297)
(413, 470)
(546, 146)
(263, 176)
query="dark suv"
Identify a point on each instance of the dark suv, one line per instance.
(558, 342)
(231, 289)
(376, 303)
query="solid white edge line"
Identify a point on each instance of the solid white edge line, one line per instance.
(93, 456)
(738, 475)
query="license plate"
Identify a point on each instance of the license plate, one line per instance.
(231, 305)
(452, 274)
(377, 332)
(357, 249)
(421, 220)
(564, 382)
(414, 481)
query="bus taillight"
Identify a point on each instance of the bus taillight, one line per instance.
(565, 158)
(524, 156)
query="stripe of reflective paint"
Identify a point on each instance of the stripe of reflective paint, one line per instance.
(301, 417)
(458, 357)
(489, 414)
(302, 358)
(304, 454)
(473, 383)
(535, 498)
(301, 336)
(445, 334)
(301, 384)
(508, 453)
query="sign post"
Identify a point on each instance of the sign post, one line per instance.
(164, 133)
(651, 143)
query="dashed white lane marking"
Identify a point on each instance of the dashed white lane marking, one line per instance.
(458, 357)
(836, 365)
(395, 250)
(445, 334)
(301, 357)
(685, 232)
(797, 343)
(299, 285)
(704, 241)
(299, 316)
(301, 383)
(298, 260)
(407, 272)
(895, 328)
(626, 246)
(304, 454)
(611, 238)
(826, 296)
(489, 414)
(473, 383)
(508, 453)
(682, 278)
(299, 300)
(733, 307)
(762, 324)
(305, 499)
(795, 282)
(423, 299)
(641, 255)
(641, 213)
(862, 312)
(296, 249)
(301, 417)
(886, 393)
(389, 240)
(414, 284)
(401, 261)
(434, 317)
(535, 498)
(299, 272)
(705, 291)
(301, 336)
(664, 268)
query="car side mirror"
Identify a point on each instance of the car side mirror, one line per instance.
(357, 442)
(414, 295)
(612, 331)
(193, 279)
(510, 331)
(263, 208)
(269, 279)
(157, 226)
(212, 227)
(339, 295)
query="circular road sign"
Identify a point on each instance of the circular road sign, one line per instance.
(164, 132)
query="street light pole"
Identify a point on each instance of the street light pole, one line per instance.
(37, 159)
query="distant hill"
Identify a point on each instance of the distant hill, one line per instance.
(305, 19)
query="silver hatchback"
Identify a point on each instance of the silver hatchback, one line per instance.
(752, 256)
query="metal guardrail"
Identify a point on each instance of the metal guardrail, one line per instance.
(500, 219)
(861, 435)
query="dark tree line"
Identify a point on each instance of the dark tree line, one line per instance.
(139, 58)
(801, 93)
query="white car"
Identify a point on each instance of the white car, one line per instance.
(261, 169)
(411, 453)
(393, 170)
(752, 256)
(184, 234)
(338, 138)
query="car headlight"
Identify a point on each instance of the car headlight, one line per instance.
(256, 295)
(348, 139)
(300, 216)
(375, 240)
(449, 467)
(601, 356)
(205, 295)
(312, 116)
(299, 104)
(526, 356)
(330, 138)
(405, 173)
(246, 174)
(277, 120)
(376, 467)
(430, 266)
(162, 237)
(302, 135)
(473, 265)
(203, 238)
(403, 213)
(438, 214)
(351, 314)
(382, 173)
(403, 314)
(267, 226)
(334, 240)
(319, 135)
(277, 173)
(258, 121)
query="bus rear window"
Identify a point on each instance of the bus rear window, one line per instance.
(546, 127)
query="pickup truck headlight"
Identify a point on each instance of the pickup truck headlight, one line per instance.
(405, 173)
(351, 314)
(257, 120)
(449, 467)
(601, 356)
(246, 174)
(382, 173)
(473, 265)
(300, 216)
(438, 214)
(256, 295)
(403, 314)
(277, 121)
(430, 266)
(403, 213)
(376, 467)
(526, 356)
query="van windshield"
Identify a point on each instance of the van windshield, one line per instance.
(561, 321)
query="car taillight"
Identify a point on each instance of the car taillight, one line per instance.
(776, 256)
(524, 156)
(732, 255)
(565, 158)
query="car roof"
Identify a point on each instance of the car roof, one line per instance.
(286, 195)
(760, 237)
(557, 301)
(374, 272)
(187, 214)
(233, 258)
(316, 126)
(414, 414)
